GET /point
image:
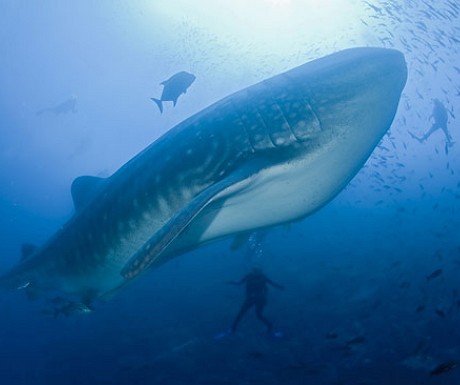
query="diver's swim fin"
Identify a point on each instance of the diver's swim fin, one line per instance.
(159, 103)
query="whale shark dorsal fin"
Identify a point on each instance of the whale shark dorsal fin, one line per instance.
(84, 188)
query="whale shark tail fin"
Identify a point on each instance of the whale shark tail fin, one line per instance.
(159, 103)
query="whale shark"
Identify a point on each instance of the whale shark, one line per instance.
(269, 154)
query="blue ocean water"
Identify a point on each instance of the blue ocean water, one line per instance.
(371, 291)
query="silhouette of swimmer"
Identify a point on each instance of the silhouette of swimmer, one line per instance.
(69, 105)
(256, 296)
(439, 116)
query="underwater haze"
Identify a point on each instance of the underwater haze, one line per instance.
(370, 282)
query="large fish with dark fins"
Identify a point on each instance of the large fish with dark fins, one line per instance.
(174, 87)
(269, 154)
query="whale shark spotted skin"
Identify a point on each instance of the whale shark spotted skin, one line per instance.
(269, 154)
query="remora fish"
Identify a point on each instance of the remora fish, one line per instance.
(174, 87)
(272, 153)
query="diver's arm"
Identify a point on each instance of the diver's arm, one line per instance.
(274, 284)
(242, 280)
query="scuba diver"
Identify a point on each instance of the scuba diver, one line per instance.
(439, 116)
(256, 296)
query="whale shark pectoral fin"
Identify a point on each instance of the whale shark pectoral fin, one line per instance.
(239, 240)
(151, 251)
